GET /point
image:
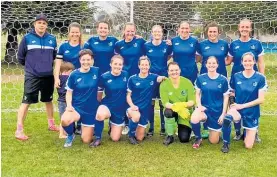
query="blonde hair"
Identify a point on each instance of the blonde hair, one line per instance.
(117, 56)
(76, 25)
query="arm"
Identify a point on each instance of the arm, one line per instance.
(160, 79)
(261, 64)
(68, 98)
(198, 100)
(130, 102)
(22, 51)
(99, 96)
(228, 60)
(164, 96)
(58, 63)
(255, 102)
(198, 58)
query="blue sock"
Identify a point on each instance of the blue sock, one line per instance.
(237, 127)
(79, 123)
(69, 129)
(132, 128)
(226, 128)
(151, 118)
(99, 126)
(162, 118)
(126, 120)
(196, 128)
(205, 125)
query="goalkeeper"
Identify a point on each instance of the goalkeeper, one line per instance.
(177, 95)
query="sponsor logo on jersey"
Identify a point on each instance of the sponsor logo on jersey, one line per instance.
(183, 92)
(135, 44)
(137, 84)
(255, 84)
(79, 79)
(170, 93)
(191, 44)
(94, 77)
(50, 42)
(206, 48)
(176, 43)
(110, 44)
(164, 51)
(121, 48)
(67, 51)
(239, 82)
(96, 43)
(252, 47)
(124, 79)
(151, 83)
(150, 51)
(219, 86)
(222, 48)
(237, 47)
(204, 83)
(109, 81)
(33, 42)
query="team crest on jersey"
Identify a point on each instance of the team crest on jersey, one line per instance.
(137, 84)
(183, 92)
(237, 47)
(255, 84)
(94, 77)
(67, 51)
(255, 121)
(135, 44)
(124, 79)
(219, 86)
(204, 83)
(50, 42)
(109, 81)
(222, 48)
(164, 51)
(110, 44)
(170, 93)
(191, 44)
(33, 42)
(79, 79)
(150, 51)
(239, 82)
(96, 43)
(151, 83)
(176, 43)
(206, 48)
(252, 47)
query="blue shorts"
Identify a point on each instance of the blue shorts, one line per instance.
(144, 117)
(117, 115)
(250, 123)
(212, 121)
(61, 107)
(86, 119)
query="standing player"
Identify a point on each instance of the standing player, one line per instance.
(36, 52)
(81, 99)
(237, 48)
(113, 105)
(178, 97)
(131, 49)
(249, 87)
(158, 52)
(184, 49)
(212, 47)
(212, 96)
(140, 90)
(69, 52)
(102, 46)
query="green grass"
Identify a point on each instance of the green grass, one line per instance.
(43, 155)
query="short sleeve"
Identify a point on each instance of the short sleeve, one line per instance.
(232, 82)
(130, 85)
(87, 44)
(164, 93)
(70, 83)
(191, 92)
(101, 84)
(260, 50)
(225, 87)
(231, 53)
(116, 48)
(198, 49)
(263, 84)
(60, 51)
(169, 49)
(197, 84)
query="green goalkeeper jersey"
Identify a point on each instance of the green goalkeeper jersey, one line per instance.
(184, 93)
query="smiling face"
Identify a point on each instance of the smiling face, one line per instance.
(248, 62)
(174, 71)
(40, 26)
(157, 32)
(144, 66)
(129, 32)
(212, 33)
(74, 34)
(86, 62)
(103, 29)
(245, 28)
(116, 65)
(184, 30)
(212, 64)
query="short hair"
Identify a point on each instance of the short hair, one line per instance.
(77, 25)
(103, 21)
(212, 57)
(157, 26)
(172, 63)
(117, 56)
(248, 53)
(66, 66)
(144, 57)
(85, 52)
(212, 24)
(182, 23)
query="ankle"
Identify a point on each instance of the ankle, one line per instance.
(19, 128)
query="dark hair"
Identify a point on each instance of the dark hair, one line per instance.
(144, 58)
(85, 52)
(77, 25)
(103, 21)
(172, 63)
(66, 66)
(248, 53)
(117, 56)
(212, 24)
(210, 57)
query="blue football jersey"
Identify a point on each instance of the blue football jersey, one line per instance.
(142, 90)
(84, 87)
(246, 90)
(68, 53)
(103, 51)
(238, 48)
(158, 57)
(219, 50)
(212, 92)
(131, 52)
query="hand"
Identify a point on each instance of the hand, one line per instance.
(134, 108)
(138, 36)
(161, 78)
(201, 108)
(57, 83)
(237, 106)
(168, 42)
(69, 109)
(220, 120)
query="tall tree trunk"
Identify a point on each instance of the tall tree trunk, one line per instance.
(11, 47)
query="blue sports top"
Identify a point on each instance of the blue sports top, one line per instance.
(69, 53)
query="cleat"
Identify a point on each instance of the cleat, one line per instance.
(95, 143)
(150, 133)
(125, 130)
(21, 136)
(225, 148)
(69, 141)
(257, 138)
(238, 137)
(78, 130)
(168, 140)
(197, 144)
(205, 134)
(53, 128)
(133, 140)
(162, 133)
(109, 131)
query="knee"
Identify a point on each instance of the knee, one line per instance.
(64, 122)
(194, 118)
(248, 145)
(227, 121)
(101, 117)
(139, 138)
(115, 138)
(168, 113)
(86, 140)
(214, 141)
(183, 138)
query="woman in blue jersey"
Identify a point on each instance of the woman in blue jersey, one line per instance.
(238, 47)
(158, 52)
(184, 49)
(212, 96)
(249, 87)
(102, 46)
(81, 99)
(113, 105)
(140, 90)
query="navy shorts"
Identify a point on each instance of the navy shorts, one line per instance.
(34, 85)
(87, 120)
(212, 121)
(250, 123)
(144, 117)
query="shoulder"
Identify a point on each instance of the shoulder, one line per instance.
(106, 74)
(51, 36)
(222, 77)
(254, 40)
(184, 80)
(221, 41)
(201, 76)
(235, 41)
(148, 43)
(260, 75)
(193, 39)
(205, 41)
(64, 43)
(118, 43)
(112, 38)
(124, 73)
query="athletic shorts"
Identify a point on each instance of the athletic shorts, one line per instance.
(212, 121)
(144, 117)
(34, 85)
(250, 123)
(61, 106)
(87, 120)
